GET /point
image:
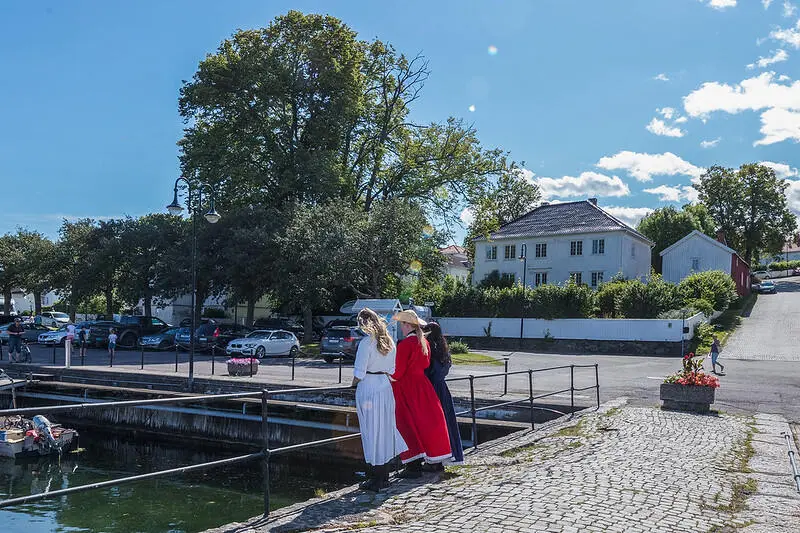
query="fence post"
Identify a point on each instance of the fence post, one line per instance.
(505, 378)
(213, 357)
(1, 352)
(341, 358)
(294, 356)
(141, 365)
(176, 357)
(54, 355)
(265, 444)
(111, 357)
(597, 383)
(472, 411)
(530, 394)
(251, 367)
(83, 353)
(572, 389)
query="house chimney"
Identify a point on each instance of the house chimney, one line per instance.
(721, 237)
(593, 201)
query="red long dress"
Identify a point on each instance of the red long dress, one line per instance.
(419, 414)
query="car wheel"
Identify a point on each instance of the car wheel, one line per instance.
(163, 345)
(261, 352)
(128, 341)
(328, 359)
(294, 351)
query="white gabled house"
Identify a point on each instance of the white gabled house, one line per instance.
(575, 240)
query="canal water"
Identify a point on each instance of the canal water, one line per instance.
(184, 503)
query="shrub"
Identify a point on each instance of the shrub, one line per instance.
(784, 265)
(647, 300)
(457, 347)
(213, 312)
(715, 286)
(607, 296)
(494, 279)
(702, 305)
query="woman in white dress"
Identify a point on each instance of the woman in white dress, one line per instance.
(375, 400)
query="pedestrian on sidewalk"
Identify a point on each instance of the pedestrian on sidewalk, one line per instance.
(375, 362)
(437, 371)
(715, 349)
(112, 342)
(420, 418)
(68, 345)
(15, 331)
(83, 339)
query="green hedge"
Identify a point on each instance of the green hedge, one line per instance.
(784, 265)
(704, 292)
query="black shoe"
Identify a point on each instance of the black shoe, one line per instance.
(378, 480)
(411, 471)
(433, 467)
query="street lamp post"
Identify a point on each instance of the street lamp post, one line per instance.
(523, 256)
(194, 204)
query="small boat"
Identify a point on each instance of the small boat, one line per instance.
(22, 437)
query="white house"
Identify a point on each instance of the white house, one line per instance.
(561, 241)
(458, 264)
(697, 252)
(790, 252)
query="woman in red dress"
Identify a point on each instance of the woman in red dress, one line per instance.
(419, 414)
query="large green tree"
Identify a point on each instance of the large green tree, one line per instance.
(12, 268)
(74, 258)
(40, 261)
(667, 225)
(750, 206)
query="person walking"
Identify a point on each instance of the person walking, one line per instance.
(420, 418)
(715, 349)
(15, 331)
(83, 340)
(375, 362)
(112, 342)
(437, 373)
(68, 345)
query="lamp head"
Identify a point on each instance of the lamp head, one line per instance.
(175, 208)
(212, 216)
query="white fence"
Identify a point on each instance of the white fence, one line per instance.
(600, 329)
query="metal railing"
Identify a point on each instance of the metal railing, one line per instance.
(795, 473)
(472, 411)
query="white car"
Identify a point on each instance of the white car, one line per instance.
(261, 343)
(57, 337)
(55, 319)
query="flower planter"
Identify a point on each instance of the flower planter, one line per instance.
(242, 369)
(692, 398)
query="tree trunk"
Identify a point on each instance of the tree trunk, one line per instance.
(148, 303)
(7, 303)
(37, 302)
(308, 325)
(109, 294)
(251, 310)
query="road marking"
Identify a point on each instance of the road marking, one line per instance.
(655, 377)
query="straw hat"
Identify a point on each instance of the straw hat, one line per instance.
(409, 317)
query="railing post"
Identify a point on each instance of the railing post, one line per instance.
(472, 411)
(213, 357)
(294, 356)
(1, 352)
(83, 353)
(265, 444)
(54, 355)
(141, 363)
(341, 358)
(597, 383)
(572, 389)
(111, 358)
(530, 394)
(251, 367)
(176, 357)
(505, 378)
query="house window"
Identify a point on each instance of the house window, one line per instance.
(509, 278)
(540, 278)
(576, 248)
(597, 278)
(695, 264)
(541, 250)
(633, 250)
(576, 277)
(491, 253)
(598, 246)
(510, 251)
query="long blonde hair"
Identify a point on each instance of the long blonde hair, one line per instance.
(375, 326)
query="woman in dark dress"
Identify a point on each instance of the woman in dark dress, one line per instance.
(437, 372)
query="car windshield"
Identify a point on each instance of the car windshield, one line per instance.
(259, 335)
(60, 315)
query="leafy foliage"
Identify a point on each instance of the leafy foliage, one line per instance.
(458, 347)
(714, 287)
(647, 300)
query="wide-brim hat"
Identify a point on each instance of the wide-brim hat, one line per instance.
(409, 317)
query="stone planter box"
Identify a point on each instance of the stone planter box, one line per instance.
(686, 397)
(235, 369)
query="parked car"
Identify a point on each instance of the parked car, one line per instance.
(211, 334)
(340, 339)
(766, 287)
(796, 272)
(129, 329)
(280, 324)
(159, 341)
(31, 333)
(54, 319)
(762, 274)
(261, 343)
(350, 322)
(58, 337)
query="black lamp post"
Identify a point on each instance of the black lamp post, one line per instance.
(194, 201)
(523, 256)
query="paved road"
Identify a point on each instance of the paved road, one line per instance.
(772, 331)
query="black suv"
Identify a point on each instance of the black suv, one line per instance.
(211, 334)
(129, 329)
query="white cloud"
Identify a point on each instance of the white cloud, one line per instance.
(784, 77)
(779, 125)
(644, 166)
(789, 9)
(766, 3)
(467, 216)
(674, 194)
(751, 94)
(666, 112)
(777, 57)
(661, 77)
(789, 36)
(720, 4)
(680, 120)
(782, 170)
(659, 127)
(587, 184)
(710, 144)
(629, 215)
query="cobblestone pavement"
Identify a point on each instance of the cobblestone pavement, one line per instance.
(770, 333)
(623, 469)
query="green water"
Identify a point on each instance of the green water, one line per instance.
(179, 504)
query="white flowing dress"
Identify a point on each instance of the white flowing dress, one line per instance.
(375, 404)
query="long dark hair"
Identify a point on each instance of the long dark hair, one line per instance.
(439, 348)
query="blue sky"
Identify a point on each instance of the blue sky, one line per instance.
(610, 99)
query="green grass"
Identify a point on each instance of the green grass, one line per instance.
(311, 349)
(475, 359)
